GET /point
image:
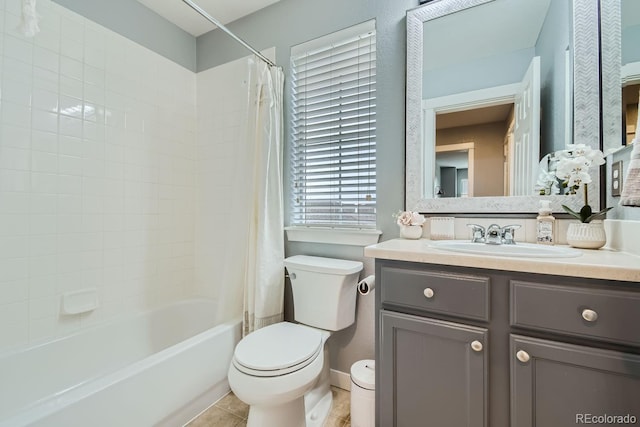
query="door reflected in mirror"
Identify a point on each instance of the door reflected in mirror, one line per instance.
(477, 144)
(455, 170)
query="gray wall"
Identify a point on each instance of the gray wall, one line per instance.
(630, 51)
(497, 70)
(620, 212)
(291, 22)
(138, 23)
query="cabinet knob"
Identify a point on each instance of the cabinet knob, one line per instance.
(428, 293)
(476, 346)
(589, 315)
(523, 356)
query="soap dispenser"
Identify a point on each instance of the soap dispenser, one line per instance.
(545, 225)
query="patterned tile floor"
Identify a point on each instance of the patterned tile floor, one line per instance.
(232, 412)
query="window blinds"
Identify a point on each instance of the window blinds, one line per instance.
(334, 134)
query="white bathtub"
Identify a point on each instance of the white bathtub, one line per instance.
(159, 368)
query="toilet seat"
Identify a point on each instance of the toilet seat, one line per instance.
(278, 350)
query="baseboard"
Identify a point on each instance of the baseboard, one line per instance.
(340, 379)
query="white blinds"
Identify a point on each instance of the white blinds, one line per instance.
(334, 134)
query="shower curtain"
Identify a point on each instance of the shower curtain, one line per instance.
(264, 264)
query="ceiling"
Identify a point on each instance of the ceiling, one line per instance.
(189, 20)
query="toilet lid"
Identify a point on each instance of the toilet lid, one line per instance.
(278, 346)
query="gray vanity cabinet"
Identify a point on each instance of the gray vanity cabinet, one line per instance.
(556, 384)
(422, 387)
(432, 371)
(459, 346)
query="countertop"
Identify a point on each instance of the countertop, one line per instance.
(594, 264)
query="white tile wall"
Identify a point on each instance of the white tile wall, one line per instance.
(97, 174)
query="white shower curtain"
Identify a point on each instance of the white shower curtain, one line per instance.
(264, 272)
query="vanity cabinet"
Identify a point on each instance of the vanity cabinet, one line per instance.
(446, 387)
(559, 384)
(460, 346)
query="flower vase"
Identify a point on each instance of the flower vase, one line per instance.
(586, 235)
(411, 231)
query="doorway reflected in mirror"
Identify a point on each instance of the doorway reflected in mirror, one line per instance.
(474, 151)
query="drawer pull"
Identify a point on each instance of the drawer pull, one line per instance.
(589, 315)
(523, 356)
(476, 346)
(428, 293)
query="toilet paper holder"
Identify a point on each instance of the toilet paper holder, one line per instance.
(366, 285)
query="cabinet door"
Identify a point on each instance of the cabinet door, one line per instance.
(555, 384)
(432, 373)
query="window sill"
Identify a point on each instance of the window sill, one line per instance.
(334, 236)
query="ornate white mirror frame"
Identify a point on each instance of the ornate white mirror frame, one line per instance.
(586, 112)
(611, 33)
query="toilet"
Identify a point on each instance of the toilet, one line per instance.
(282, 371)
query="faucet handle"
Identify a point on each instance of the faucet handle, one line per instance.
(477, 232)
(508, 234)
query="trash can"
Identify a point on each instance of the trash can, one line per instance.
(363, 380)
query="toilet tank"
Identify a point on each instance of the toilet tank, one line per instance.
(324, 290)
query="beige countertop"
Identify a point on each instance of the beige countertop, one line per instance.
(595, 264)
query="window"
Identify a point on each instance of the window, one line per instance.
(334, 130)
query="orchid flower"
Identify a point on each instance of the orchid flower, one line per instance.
(573, 169)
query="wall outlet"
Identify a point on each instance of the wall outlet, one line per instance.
(616, 178)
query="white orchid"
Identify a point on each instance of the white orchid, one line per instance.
(573, 169)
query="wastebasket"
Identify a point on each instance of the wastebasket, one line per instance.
(363, 377)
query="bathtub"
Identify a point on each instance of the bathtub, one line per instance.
(158, 368)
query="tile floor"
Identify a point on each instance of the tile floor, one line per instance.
(231, 412)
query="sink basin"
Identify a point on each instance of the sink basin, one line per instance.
(524, 250)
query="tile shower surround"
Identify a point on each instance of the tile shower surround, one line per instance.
(98, 180)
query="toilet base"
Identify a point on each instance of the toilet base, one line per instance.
(290, 414)
(317, 415)
(319, 399)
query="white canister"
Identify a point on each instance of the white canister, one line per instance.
(363, 391)
(442, 228)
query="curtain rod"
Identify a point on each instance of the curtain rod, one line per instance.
(226, 30)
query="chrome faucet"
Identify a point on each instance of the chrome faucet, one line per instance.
(508, 234)
(494, 234)
(477, 233)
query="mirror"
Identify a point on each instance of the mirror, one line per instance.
(620, 71)
(506, 84)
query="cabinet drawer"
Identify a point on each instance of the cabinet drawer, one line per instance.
(452, 294)
(605, 314)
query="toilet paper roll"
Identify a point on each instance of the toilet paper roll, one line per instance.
(366, 285)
